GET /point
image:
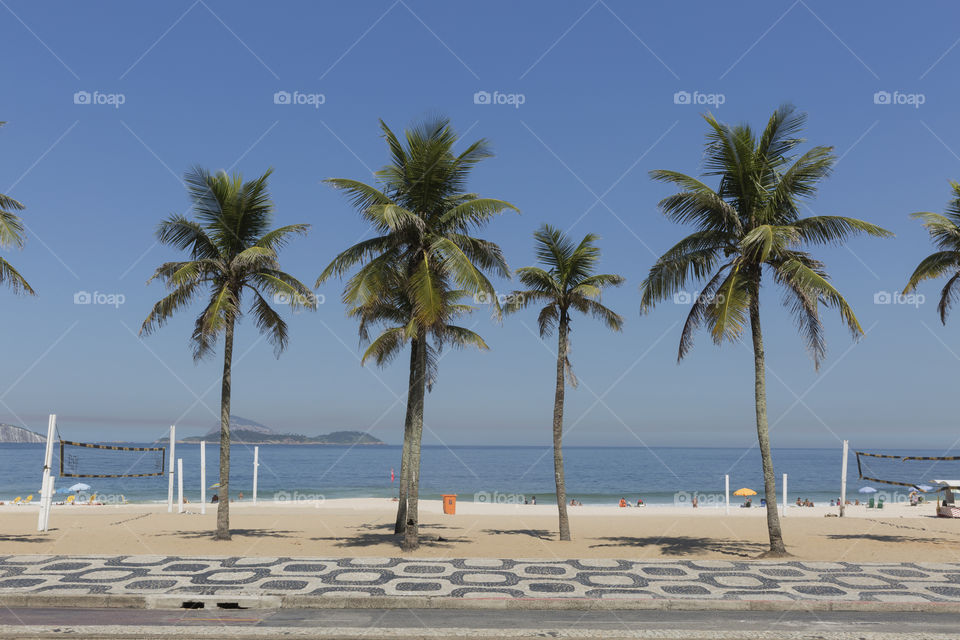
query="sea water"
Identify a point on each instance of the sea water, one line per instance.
(594, 475)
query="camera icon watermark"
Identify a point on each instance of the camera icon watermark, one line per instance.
(688, 297)
(114, 100)
(899, 98)
(911, 299)
(496, 97)
(109, 299)
(299, 98)
(698, 98)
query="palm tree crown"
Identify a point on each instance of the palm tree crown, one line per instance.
(749, 224)
(568, 283)
(945, 233)
(232, 252)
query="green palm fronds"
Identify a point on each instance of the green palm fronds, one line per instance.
(944, 232)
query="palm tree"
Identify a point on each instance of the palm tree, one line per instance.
(945, 233)
(232, 252)
(567, 283)
(11, 235)
(751, 222)
(421, 260)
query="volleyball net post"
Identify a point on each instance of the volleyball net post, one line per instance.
(843, 478)
(45, 495)
(173, 445)
(203, 477)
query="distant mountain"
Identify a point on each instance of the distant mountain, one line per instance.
(246, 431)
(12, 433)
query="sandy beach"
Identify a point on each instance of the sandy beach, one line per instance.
(363, 527)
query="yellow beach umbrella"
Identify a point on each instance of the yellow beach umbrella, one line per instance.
(744, 492)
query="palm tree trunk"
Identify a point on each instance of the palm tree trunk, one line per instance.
(411, 538)
(401, 524)
(558, 429)
(777, 548)
(223, 501)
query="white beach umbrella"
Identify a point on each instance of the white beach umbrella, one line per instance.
(867, 490)
(80, 486)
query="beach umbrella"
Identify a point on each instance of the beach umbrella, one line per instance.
(215, 486)
(744, 492)
(924, 487)
(867, 490)
(80, 486)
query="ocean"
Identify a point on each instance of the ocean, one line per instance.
(594, 475)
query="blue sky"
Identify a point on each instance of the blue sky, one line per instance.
(599, 87)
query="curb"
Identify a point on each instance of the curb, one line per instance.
(264, 601)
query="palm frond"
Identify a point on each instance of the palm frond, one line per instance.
(12, 278)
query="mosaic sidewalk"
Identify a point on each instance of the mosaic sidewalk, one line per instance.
(481, 578)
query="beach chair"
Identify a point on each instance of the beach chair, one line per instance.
(870, 504)
(17, 500)
(71, 499)
(880, 503)
(29, 498)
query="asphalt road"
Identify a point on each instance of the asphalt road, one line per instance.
(445, 623)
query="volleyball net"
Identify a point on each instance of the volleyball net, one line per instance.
(90, 460)
(916, 472)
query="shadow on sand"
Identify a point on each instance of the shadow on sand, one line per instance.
(237, 533)
(540, 534)
(874, 537)
(371, 535)
(684, 545)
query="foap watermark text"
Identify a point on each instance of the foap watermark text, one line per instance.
(299, 98)
(498, 97)
(99, 98)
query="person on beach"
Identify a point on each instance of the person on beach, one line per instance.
(694, 502)
(533, 500)
(623, 503)
(240, 496)
(640, 502)
(215, 498)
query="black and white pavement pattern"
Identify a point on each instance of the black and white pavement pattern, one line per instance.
(483, 578)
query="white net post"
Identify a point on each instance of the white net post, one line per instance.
(45, 509)
(203, 476)
(256, 471)
(843, 479)
(180, 485)
(47, 461)
(784, 495)
(173, 445)
(727, 493)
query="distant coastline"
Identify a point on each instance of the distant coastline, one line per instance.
(246, 431)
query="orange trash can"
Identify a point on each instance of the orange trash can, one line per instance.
(450, 503)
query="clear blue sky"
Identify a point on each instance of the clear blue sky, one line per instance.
(598, 81)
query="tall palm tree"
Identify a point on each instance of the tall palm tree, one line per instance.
(233, 252)
(422, 254)
(566, 284)
(749, 223)
(11, 235)
(945, 233)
